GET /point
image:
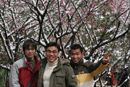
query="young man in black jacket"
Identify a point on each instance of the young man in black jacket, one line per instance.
(85, 71)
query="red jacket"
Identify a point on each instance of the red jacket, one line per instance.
(21, 73)
(112, 77)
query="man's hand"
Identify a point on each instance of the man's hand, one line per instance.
(106, 58)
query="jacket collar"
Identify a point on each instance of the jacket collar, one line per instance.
(61, 62)
(28, 65)
(76, 64)
(82, 62)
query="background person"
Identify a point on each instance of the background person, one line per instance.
(123, 74)
(110, 76)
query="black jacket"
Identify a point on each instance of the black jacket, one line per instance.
(85, 71)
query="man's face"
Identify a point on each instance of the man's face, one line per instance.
(76, 55)
(52, 53)
(30, 52)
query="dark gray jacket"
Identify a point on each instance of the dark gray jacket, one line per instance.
(62, 75)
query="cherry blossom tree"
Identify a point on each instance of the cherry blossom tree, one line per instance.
(97, 25)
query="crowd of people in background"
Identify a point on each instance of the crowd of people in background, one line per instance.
(53, 71)
(123, 76)
(119, 77)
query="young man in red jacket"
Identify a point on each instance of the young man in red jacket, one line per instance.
(23, 69)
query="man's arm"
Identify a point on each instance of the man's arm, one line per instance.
(97, 68)
(13, 77)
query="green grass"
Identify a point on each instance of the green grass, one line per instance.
(3, 75)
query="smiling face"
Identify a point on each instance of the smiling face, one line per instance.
(52, 53)
(76, 55)
(30, 52)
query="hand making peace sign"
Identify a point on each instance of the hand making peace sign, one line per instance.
(106, 58)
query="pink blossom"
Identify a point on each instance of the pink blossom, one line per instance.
(69, 12)
(16, 8)
(81, 10)
(6, 2)
(71, 23)
(78, 19)
(56, 4)
(85, 19)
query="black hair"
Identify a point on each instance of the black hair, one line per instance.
(76, 46)
(29, 42)
(53, 44)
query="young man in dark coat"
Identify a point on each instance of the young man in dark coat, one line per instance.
(55, 71)
(85, 71)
